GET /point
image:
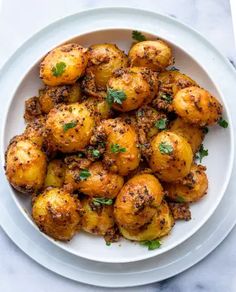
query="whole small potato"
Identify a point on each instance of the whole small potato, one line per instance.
(160, 225)
(64, 65)
(155, 55)
(191, 188)
(25, 165)
(197, 106)
(97, 220)
(137, 201)
(55, 173)
(57, 213)
(192, 133)
(104, 59)
(137, 85)
(70, 127)
(171, 156)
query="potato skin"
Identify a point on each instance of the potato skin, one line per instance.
(100, 183)
(137, 201)
(75, 59)
(191, 188)
(25, 165)
(97, 220)
(71, 139)
(55, 174)
(138, 85)
(57, 213)
(160, 225)
(99, 107)
(155, 55)
(192, 133)
(174, 165)
(197, 106)
(104, 59)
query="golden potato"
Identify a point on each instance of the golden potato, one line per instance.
(122, 154)
(129, 88)
(192, 133)
(55, 174)
(98, 182)
(50, 96)
(57, 213)
(197, 106)
(169, 83)
(160, 225)
(97, 219)
(171, 156)
(137, 201)
(191, 188)
(70, 127)
(156, 55)
(99, 107)
(64, 65)
(104, 59)
(25, 165)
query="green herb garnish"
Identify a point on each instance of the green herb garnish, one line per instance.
(223, 123)
(59, 69)
(180, 199)
(115, 96)
(138, 36)
(108, 243)
(161, 124)
(116, 148)
(165, 148)
(205, 130)
(102, 201)
(68, 126)
(167, 97)
(201, 153)
(80, 154)
(84, 174)
(173, 68)
(96, 153)
(151, 244)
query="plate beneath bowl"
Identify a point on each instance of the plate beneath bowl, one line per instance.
(44, 251)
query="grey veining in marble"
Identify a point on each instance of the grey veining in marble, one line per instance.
(212, 18)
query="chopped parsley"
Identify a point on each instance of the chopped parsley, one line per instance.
(102, 201)
(173, 68)
(96, 153)
(167, 97)
(201, 153)
(108, 243)
(151, 244)
(138, 36)
(223, 123)
(115, 96)
(116, 148)
(59, 69)
(80, 154)
(68, 126)
(165, 148)
(205, 130)
(84, 174)
(161, 124)
(180, 199)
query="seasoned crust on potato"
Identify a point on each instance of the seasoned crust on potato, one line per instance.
(32, 109)
(55, 173)
(180, 211)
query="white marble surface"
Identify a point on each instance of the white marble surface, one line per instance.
(18, 21)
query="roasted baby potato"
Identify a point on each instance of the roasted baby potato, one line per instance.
(137, 201)
(170, 82)
(55, 174)
(97, 219)
(99, 182)
(70, 127)
(160, 225)
(64, 65)
(57, 213)
(191, 188)
(50, 96)
(99, 107)
(197, 106)
(104, 59)
(192, 133)
(25, 165)
(137, 86)
(122, 154)
(171, 156)
(155, 55)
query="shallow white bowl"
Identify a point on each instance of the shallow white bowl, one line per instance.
(219, 162)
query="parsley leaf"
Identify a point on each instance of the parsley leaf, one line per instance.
(180, 199)
(201, 153)
(59, 69)
(116, 148)
(165, 148)
(80, 154)
(68, 126)
(138, 36)
(96, 153)
(151, 244)
(173, 68)
(115, 96)
(167, 97)
(223, 123)
(161, 124)
(205, 130)
(84, 174)
(102, 201)
(108, 243)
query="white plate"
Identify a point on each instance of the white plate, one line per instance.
(62, 262)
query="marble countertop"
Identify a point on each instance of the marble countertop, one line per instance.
(18, 21)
